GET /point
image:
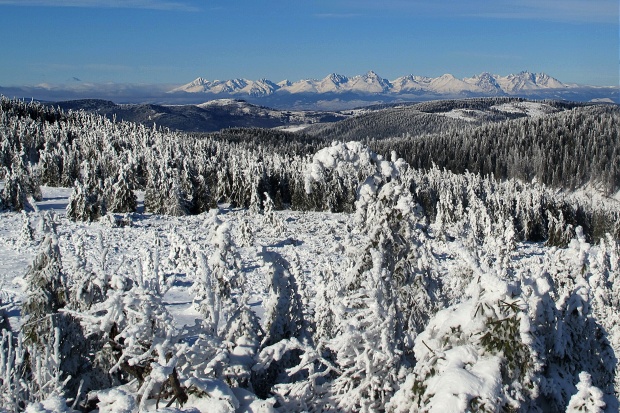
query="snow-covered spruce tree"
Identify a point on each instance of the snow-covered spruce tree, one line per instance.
(46, 290)
(245, 231)
(53, 339)
(13, 392)
(21, 183)
(14, 195)
(13, 384)
(87, 201)
(88, 280)
(334, 174)
(202, 198)
(219, 359)
(26, 235)
(166, 192)
(178, 202)
(367, 346)
(84, 206)
(141, 334)
(588, 399)
(475, 355)
(180, 258)
(206, 301)
(583, 331)
(560, 233)
(389, 290)
(121, 198)
(284, 319)
(270, 219)
(153, 191)
(328, 291)
(256, 202)
(225, 268)
(49, 164)
(242, 336)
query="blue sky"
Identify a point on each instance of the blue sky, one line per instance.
(173, 42)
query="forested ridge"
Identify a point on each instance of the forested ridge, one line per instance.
(564, 150)
(462, 273)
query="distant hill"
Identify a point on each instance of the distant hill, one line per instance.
(375, 121)
(207, 117)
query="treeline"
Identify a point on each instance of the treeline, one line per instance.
(106, 162)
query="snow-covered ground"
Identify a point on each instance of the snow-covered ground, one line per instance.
(531, 109)
(309, 238)
(463, 114)
(312, 244)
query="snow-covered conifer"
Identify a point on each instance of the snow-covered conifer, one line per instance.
(284, 319)
(49, 334)
(474, 356)
(579, 339)
(588, 399)
(367, 346)
(206, 301)
(270, 218)
(180, 258)
(121, 198)
(14, 195)
(139, 328)
(87, 282)
(46, 289)
(246, 232)
(225, 269)
(26, 235)
(85, 206)
(243, 336)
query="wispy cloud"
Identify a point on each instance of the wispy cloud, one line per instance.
(337, 15)
(125, 4)
(579, 11)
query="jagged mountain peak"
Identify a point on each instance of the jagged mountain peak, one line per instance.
(371, 74)
(487, 82)
(336, 78)
(198, 81)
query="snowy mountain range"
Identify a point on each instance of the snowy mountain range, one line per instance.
(334, 92)
(372, 83)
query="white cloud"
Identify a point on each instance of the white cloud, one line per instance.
(126, 4)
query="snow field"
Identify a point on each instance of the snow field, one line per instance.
(310, 238)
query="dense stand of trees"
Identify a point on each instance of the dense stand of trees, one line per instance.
(566, 150)
(186, 174)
